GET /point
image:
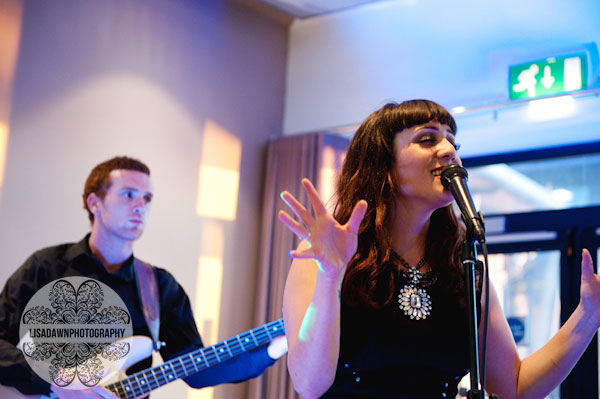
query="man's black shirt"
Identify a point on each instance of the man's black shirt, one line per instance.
(178, 328)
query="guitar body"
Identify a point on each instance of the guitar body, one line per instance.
(141, 348)
(143, 382)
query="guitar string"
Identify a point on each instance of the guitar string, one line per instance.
(146, 384)
(261, 332)
(185, 367)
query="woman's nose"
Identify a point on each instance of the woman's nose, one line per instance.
(447, 149)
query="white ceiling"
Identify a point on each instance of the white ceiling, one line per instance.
(311, 8)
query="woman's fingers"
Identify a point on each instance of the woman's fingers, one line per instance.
(587, 267)
(331, 243)
(314, 198)
(297, 207)
(590, 284)
(358, 213)
(302, 253)
(293, 225)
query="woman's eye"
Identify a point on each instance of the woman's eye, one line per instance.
(426, 140)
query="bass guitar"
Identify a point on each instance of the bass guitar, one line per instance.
(140, 384)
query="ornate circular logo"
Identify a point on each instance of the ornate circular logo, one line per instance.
(75, 332)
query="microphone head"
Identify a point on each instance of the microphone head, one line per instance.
(450, 172)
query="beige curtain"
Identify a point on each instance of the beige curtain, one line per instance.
(316, 156)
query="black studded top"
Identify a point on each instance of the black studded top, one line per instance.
(385, 354)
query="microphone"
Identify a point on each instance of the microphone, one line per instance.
(454, 179)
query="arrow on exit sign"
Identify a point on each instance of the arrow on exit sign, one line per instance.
(555, 75)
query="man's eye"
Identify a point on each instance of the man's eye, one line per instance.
(427, 140)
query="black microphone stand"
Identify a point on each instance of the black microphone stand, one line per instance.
(453, 178)
(470, 263)
(469, 259)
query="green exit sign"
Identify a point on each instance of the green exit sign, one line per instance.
(551, 76)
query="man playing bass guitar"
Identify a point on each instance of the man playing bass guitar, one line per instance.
(117, 196)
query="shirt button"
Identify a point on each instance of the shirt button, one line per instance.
(346, 365)
(446, 385)
(357, 379)
(443, 394)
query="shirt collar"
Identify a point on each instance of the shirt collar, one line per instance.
(82, 248)
(79, 249)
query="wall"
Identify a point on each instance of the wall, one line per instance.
(150, 79)
(342, 66)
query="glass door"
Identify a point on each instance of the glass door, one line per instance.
(541, 208)
(535, 267)
(528, 287)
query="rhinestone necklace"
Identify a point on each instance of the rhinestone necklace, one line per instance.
(414, 301)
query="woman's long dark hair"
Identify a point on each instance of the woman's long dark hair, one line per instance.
(368, 173)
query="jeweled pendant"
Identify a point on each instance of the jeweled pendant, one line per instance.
(414, 302)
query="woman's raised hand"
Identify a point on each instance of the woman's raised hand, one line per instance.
(590, 286)
(332, 245)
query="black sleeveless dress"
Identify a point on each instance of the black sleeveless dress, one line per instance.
(384, 354)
